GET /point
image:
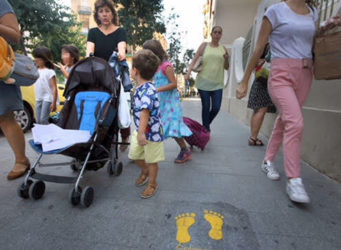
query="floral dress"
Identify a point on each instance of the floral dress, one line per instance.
(170, 106)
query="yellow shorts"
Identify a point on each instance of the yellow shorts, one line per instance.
(152, 152)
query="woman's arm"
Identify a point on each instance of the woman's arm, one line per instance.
(53, 84)
(90, 48)
(9, 28)
(195, 59)
(331, 23)
(172, 80)
(122, 47)
(227, 59)
(263, 39)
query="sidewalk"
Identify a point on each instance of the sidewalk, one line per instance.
(223, 183)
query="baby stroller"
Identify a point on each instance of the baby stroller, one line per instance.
(92, 96)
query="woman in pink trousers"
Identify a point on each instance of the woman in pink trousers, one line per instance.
(291, 27)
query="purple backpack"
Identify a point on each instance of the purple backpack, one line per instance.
(200, 136)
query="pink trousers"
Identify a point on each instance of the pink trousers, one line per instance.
(289, 86)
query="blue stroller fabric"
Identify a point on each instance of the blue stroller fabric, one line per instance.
(87, 103)
(121, 70)
(38, 148)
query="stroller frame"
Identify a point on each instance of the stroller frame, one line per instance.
(35, 189)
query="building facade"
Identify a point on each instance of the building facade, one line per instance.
(84, 9)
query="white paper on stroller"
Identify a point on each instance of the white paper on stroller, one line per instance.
(52, 137)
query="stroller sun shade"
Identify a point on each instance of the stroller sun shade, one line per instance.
(92, 72)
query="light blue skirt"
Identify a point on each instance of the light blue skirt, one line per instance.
(172, 116)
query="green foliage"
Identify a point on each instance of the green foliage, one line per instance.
(141, 18)
(175, 47)
(174, 44)
(48, 23)
(187, 58)
(174, 52)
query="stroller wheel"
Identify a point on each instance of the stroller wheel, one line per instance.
(36, 190)
(87, 196)
(108, 166)
(23, 189)
(75, 196)
(111, 165)
(114, 167)
(117, 169)
(75, 166)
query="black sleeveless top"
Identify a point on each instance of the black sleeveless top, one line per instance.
(105, 45)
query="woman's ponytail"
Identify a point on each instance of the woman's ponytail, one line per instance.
(311, 3)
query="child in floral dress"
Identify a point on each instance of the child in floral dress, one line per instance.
(170, 104)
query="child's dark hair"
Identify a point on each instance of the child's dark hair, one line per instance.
(146, 62)
(73, 51)
(105, 3)
(156, 47)
(45, 54)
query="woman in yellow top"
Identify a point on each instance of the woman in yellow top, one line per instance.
(210, 80)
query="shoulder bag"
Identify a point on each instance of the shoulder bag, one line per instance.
(25, 71)
(198, 64)
(7, 60)
(327, 54)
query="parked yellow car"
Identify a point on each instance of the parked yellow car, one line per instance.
(26, 116)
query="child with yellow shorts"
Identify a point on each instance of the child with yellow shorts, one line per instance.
(146, 147)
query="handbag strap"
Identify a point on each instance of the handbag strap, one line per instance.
(23, 46)
(259, 67)
(202, 52)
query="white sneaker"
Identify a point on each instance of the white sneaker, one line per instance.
(296, 191)
(270, 170)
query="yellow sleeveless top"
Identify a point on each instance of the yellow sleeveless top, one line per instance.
(211, 77)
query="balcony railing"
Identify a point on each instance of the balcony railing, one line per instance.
(326, 8)
(84, 10)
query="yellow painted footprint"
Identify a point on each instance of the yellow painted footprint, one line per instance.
(216, 221)
(183, 223)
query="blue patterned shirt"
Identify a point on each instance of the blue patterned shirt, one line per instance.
(146, 97)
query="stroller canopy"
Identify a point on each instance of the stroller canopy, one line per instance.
(92, 73)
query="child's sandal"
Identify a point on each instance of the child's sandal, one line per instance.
(149, 191)
(141, 180)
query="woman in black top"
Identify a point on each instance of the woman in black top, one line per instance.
(107, 38)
